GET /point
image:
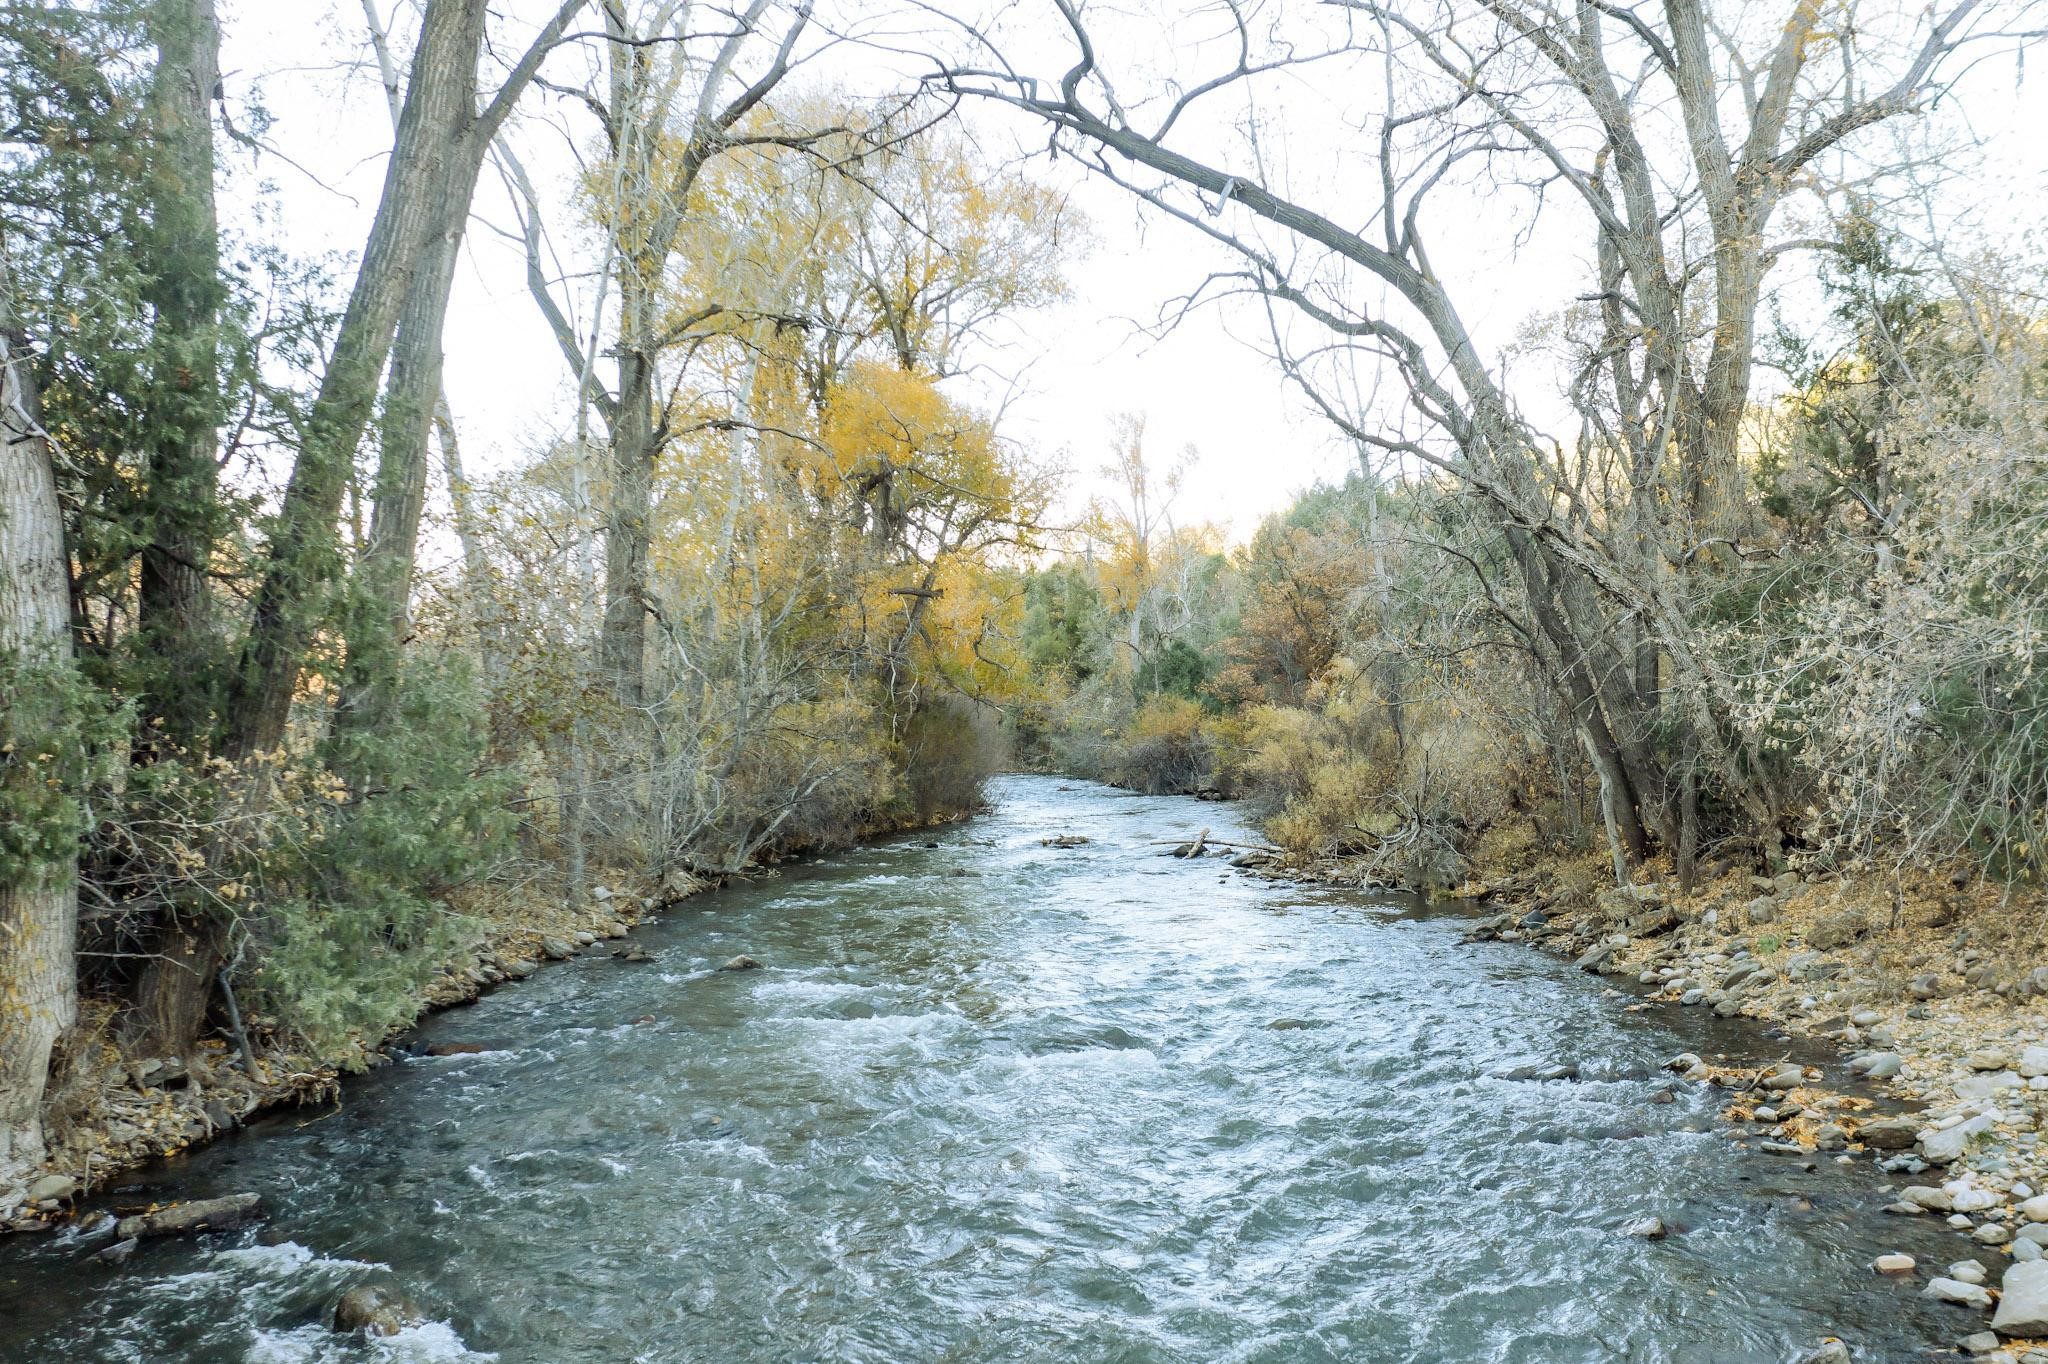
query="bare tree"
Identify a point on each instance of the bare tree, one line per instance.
(1577, 100)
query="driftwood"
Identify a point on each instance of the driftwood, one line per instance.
(1202, 840)
(205, 1214)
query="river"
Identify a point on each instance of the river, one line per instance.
(989, 1100)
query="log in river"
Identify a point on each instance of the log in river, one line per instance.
(993, 1100)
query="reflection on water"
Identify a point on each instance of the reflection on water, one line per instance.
(1075, 1105)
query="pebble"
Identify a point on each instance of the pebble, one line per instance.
(1649, 1229)
(1894, 1263)
(2035, 1209)
(1992, 1234)
(1969, 1271)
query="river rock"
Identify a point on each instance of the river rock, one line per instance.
(1989, 1058)
(1827, 1352)
(632, 951)
(204, 1214)
(2023, 1301)
(1960, 1293)
(2025, 1250)
(1648, 1228)
(1969, 1271)
(1945, 1148)
(1595, 957)
(1924, 986)
(1967, 1197)
(59, 1187)
(2035, 1209)
(1876, 1065)
(374, 1310)
(119, 1252)
(1979, 1342)
(742, 962)
(1889, 1134)
(2034, 1061)
(1991, 1234)
(1894, 1264)
(555, 949)
(1928, 1197)
(1785, 1077)
(1831, 1137)
(2037, 1234)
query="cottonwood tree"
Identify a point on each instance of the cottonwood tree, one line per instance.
(443, 133)
(673, 86)
(1676, 133)
(38, 823)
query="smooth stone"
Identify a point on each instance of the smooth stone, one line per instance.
(1991, 1234)
(2023, 1300)
(374, 1310)
(1960, 1293)
(2034, 1062)
(1925, 1196)
(1969, 1198)
(1980, 1343)
(2026, 1250)
(1894, 1264)
(59, 1187)
(2035, 1209)
(1648, 1229)
(1889, 1134)
(1969, 1271)
(742, 962)
(1990, 1058)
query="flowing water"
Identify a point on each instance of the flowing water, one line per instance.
(989, 1100)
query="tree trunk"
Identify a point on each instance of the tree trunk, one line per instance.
(383, 587)
(38, 899)
(629, 509)
(304, 557)
(185, 292)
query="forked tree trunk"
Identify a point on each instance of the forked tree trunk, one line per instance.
(304, 558)
(39, 898)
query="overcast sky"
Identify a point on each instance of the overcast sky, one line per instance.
(1205, 384)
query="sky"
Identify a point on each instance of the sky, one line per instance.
(1205, 384)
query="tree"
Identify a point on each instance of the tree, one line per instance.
(1605, 537)
(38, 820)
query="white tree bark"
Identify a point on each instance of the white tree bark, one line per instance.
(38, 903)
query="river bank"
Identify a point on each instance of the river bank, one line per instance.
(1931, 992)
(112, 1113)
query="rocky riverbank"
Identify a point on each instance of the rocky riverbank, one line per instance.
(111, 1113)
(1933, 991)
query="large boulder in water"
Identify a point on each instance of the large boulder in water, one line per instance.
(374, 1310)
(2023, 1301)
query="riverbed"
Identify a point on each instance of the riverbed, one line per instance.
(991, 1100)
